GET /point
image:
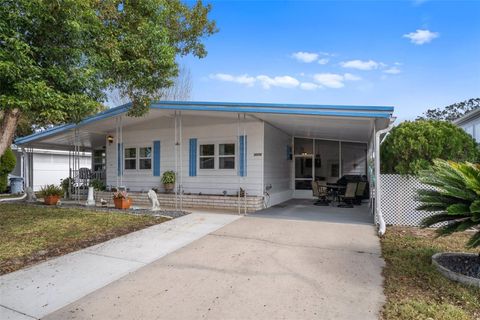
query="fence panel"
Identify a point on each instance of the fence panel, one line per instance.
(399, 206)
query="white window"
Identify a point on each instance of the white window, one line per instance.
(130, 158)
(207, 156)
(145, 158)
(226, 156)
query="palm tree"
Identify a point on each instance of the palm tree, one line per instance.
(455, 197)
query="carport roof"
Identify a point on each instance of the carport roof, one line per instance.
(258, 109)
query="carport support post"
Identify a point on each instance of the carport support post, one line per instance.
(378, 186)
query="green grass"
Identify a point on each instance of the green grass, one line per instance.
(29, 233)
(414, 289)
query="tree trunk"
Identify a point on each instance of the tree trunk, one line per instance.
(7, 128)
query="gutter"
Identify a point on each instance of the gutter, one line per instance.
(378, 191)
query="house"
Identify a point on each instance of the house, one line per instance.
(268, 152)
(470, 122)
(45, 166)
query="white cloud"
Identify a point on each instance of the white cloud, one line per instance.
(421, 36)
(329, 80)
(309, 86)
(323, 61)
(334, 80)
(281, 81)
(242, 79)
(360, 64)
(306, 57)
(351, 77)
(392, 70)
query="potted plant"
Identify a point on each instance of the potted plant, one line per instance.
(50, 194)
(168, 180)
(121, 200)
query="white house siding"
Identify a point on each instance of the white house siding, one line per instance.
(207, 130)
(277, 168)
(472, 127)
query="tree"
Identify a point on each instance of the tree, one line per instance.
(7, 164)
(59, 57)
(181, 90)
(413, 145)
(455, 197)
(451, 112)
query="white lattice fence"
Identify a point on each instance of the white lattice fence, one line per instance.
(398, 200)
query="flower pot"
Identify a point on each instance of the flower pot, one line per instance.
(51, 200)
(122, 203)
(169, 187)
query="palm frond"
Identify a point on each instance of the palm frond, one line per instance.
(437, 218)
(474, 241)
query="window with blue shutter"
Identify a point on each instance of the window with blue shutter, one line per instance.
(242, 165)
(192, 164)
(156, 158)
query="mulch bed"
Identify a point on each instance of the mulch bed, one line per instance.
(467, 265)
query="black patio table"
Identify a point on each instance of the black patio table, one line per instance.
(335, 189)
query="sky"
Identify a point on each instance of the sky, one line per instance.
(412, 55)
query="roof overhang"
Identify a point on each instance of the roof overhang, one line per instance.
(329, 121)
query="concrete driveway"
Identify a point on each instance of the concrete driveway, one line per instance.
(257, 267)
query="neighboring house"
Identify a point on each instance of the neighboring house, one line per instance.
(217, 148)
(47, 166)
(470, 122)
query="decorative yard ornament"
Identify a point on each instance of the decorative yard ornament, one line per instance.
(90, 199)
(152, 196)
(30, 195)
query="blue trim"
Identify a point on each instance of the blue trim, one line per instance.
(276, 105)
(119, 159)
(274, 108)
(242, 165)
(274, 111)
(156, 158)
(192, 163)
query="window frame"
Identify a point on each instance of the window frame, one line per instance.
(139, 157)
(200, 156)
(125, 158)
(234, 156)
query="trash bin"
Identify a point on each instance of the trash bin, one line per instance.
(16, 185)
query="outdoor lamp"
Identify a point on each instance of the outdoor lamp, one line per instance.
(110, 139)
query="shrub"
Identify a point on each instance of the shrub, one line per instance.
(50, 190)
(97, 185)
(413, 145)
(66, 184)
(455, 198)
(168, 177)
(7, 164)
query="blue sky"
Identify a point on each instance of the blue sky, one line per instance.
(409, 54)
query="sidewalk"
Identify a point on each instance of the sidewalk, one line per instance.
(41, 289)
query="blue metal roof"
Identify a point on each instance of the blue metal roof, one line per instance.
(270, 108)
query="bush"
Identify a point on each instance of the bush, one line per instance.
(50, 190)
(456, 197)
(7, 164)
(168, 177)
(413, 145)
(97, 185)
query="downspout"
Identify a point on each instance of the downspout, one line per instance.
(378, 192)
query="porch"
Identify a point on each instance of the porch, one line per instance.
(303, 209)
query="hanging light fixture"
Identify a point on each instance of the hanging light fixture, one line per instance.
(110, 139)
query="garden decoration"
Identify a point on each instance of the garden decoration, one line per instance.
(122, 200)
(152, 196)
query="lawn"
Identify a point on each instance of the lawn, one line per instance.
(31, 233)
(414, 289)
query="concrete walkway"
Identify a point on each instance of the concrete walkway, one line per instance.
(41, 289)
(257, 267)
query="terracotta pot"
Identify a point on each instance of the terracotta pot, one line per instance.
(122, 203)
(51, 200)
(169, 187)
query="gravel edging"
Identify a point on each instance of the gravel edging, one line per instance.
(439, 260)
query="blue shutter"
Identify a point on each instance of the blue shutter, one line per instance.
(119, 159)
(156, 158)
(192, 165)
(242, 166)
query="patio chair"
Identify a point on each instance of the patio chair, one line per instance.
(320, 192)
(350, 195)
(360, 191)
